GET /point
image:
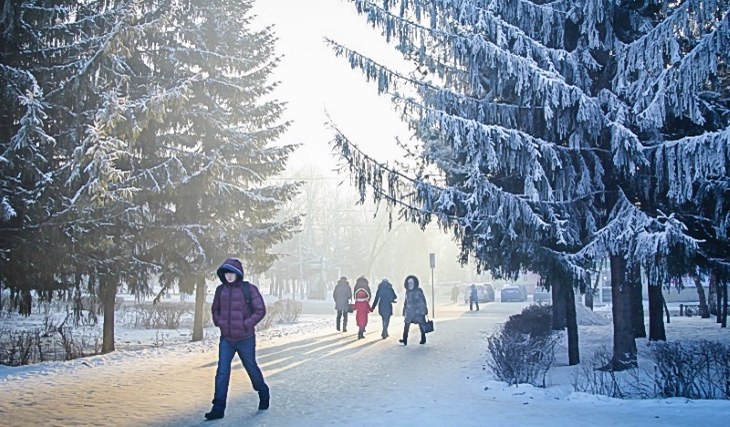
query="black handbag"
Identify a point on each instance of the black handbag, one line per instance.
(350, 308)
(428, 326)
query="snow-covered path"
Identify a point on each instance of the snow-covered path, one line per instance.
(331, 378)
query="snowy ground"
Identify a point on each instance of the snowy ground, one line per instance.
(321, 377)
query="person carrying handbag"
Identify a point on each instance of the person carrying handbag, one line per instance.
(415, 309)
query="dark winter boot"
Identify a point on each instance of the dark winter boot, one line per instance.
(263, 404)
(214, 415)
(423, 338)
(338, 325)
(403, 341)
(344, 327)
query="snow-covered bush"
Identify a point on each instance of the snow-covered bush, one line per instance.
(692, 369)
(156, 316)
(592, 378)
(534, 320)
(25, 347)
(272, 313)
(522, 349)
(287, 310)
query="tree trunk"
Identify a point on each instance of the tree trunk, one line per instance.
(724, 305)
(637, 303)
(589, 298)
(656, 314)
(718, 297)
(704, 310)
(200, 290)
(624, 346)
(572, 324)
(712, 296)
(558, 290)
(108, 294)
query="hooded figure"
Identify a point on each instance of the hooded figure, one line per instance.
(362, 283)
(342, 296)
(362, 307)
(385, 296)
(237, 307)
(415, 309)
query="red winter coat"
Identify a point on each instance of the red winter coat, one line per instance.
(362, 306)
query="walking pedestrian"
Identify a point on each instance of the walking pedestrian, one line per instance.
(342, 295)
(455, 293)
(473, 297)
(362, 307)
(385, 296)
(362, 283)
(237, 307)
(415, 309)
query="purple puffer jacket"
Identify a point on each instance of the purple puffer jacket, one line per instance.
(230, 311)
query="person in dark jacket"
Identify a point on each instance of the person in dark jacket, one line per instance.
(473, 297)
(362, 283)
(385, 296)
(415, 309)
(237, 319)
(342, 295)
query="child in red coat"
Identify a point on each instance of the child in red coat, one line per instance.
(362, 306)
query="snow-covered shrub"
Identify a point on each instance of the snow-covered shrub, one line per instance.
(288, 310)
(207, 315)
(592, 378)
(157, 316)
(272, 313)
(692, 369)
(534, 320)
(522, 349)
(25, 347)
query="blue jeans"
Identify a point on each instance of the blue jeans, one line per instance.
(246, 349)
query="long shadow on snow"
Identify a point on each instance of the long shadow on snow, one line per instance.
(285, 351)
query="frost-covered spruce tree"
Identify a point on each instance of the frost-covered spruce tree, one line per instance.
(670, 99)
(217, 129)
(525, 122)
(509, 121)
(30, 155)
(92, 88)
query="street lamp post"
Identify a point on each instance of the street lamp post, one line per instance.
(432, 259)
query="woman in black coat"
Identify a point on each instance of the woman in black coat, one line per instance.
(385, 296)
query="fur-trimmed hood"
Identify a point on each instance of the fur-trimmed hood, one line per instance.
(415, 280)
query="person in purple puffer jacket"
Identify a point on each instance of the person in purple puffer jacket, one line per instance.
(237, 307)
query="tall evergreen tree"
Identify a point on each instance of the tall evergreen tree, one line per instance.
(163, 145)
(529, 122)
(219, 126)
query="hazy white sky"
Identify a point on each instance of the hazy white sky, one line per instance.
(314, 80)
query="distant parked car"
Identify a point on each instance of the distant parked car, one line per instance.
(514, 293)
(541, 295)
(485, 293)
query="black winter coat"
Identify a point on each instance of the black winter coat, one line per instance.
(385, 296)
